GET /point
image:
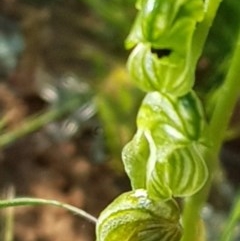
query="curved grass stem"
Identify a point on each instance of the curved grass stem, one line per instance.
(233, 219)
(36, 122)
(39, 201)
(201, 33)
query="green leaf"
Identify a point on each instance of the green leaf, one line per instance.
(175, 120)
(133, 216)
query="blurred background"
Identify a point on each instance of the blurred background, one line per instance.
(68, 107)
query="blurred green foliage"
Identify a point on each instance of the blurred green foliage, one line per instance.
(219, 45)
(86, 38)
(118, 102)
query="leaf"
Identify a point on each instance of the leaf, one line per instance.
(133, 216)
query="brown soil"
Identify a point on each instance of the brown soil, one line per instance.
(39, 165)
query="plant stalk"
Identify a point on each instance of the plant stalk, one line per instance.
(221, 115)
(202, 30)
(228, 232)
(38, 201)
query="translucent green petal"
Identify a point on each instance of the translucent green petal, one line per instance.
(169, 74)
(135, 156)
(157, 19)
(133, 216)
(176, 120)
(162, 34)
(183, 171)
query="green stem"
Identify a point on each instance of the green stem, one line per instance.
(217, 128)
(39, 201)
(228, 232)
(9, 217)
(201, 33)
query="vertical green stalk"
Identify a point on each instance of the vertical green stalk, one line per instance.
(9, 217)
(234, 217)
(201, 33)
(222, 113)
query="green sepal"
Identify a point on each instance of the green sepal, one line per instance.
(156, 20)
(162, 34)
(178, 172)
(176, 120)
(170, 74)
(135, 155)
(168, 170)
(133, 216)
(167, 146)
